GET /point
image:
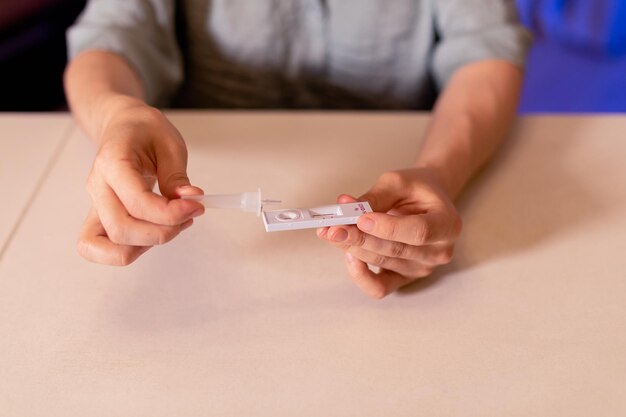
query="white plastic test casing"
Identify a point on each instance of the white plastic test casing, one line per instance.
(333, 215)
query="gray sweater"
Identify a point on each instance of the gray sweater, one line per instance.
(362, 54)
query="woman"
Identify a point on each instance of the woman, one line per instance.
(464, 57)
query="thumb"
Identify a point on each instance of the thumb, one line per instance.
(346, 198)
(382, 197)
(172, 175)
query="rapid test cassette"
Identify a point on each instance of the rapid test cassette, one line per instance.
(333, 215)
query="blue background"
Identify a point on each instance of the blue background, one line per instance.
(578, 61)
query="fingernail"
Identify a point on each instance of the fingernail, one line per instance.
(185, 189)
(197, 213)
(340, 235)
(366, 224)
(349, 257)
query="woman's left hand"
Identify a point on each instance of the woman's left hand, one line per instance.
(412, 231)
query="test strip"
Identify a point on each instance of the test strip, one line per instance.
(306, 218)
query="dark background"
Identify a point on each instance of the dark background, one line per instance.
(32, 52)
(578, 62)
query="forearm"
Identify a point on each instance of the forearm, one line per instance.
(470, 120)
(98, 84)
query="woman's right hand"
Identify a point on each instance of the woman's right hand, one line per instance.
(138, 146)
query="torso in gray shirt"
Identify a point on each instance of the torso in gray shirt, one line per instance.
(364, 54)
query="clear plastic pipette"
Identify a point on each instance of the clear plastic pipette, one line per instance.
(248, 201)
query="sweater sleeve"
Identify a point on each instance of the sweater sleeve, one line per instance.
(473, 30)
(140, 31)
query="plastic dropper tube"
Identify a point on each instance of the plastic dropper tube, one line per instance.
(247, 201)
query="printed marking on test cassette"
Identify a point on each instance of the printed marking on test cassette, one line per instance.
(306, 218)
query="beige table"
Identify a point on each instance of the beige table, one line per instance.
(28, 145)
(529, 320)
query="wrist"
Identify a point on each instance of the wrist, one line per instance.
(447, 176)
(111, 106)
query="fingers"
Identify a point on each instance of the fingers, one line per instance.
(400, 263)
(408, 268)
(121, 228)
(387, 192)
(412, 230)
(346, 237)
(171, 162)
(120, 247)
(187, 190)
(116, 234)
(440, 223)
(139, 200)
(376, 285)
(345, 198)
(94, 245)
(419, 229)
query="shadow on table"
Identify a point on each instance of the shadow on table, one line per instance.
(212, 282)
(535, 191)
